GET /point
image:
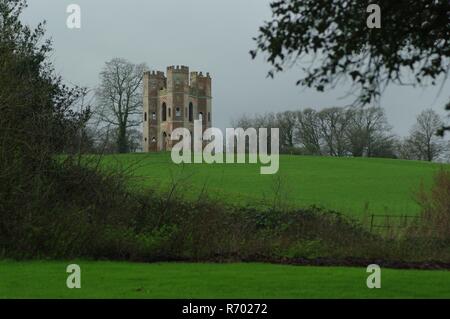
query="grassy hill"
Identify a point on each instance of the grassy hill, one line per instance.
(345, 184)
(350, 185)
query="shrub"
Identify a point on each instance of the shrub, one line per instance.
(80, 212)
(435, 207)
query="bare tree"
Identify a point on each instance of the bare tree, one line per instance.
(333, 131)
(368, 130)
(134, 140)
(333, 125)
(119, 97)
(245, 121)
(286, 122)
(308, 131)
(406, 150)
(423, 142)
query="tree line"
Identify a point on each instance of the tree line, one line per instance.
(333, 131)
(352, 131)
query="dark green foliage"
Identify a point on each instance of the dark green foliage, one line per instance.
(36, 122)
(413, 37)
(90, 215)
(54, 206)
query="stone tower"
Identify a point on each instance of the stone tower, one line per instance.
(174, 100)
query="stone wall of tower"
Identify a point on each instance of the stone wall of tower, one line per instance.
(203, 92)
(178, 77)
(175, 93)
(154, 82)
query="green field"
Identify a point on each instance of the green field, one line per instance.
(349, 185)
(172, 280)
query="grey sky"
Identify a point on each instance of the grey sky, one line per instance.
(207, 35)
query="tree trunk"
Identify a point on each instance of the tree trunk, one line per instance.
(122, 143)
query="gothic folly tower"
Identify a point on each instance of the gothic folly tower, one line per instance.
(171, 101)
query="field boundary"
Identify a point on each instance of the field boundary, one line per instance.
(390, 223)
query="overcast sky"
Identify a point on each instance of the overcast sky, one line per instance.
(207, 35)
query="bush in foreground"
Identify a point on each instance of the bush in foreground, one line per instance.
(79, 212)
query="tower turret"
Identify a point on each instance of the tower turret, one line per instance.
(154, 82)
(172, 102)
(178, 78)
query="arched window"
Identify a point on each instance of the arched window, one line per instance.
(170, 114)
(145, 116)
(191, 112)
(164, 112)
(200, 116)
(209, 117)
(153, 139)
(154, 116)
(178, 112)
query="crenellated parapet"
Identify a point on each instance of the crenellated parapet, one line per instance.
(171, 100)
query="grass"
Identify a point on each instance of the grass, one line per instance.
(345, 184)
(349, 185)
(47, 279)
